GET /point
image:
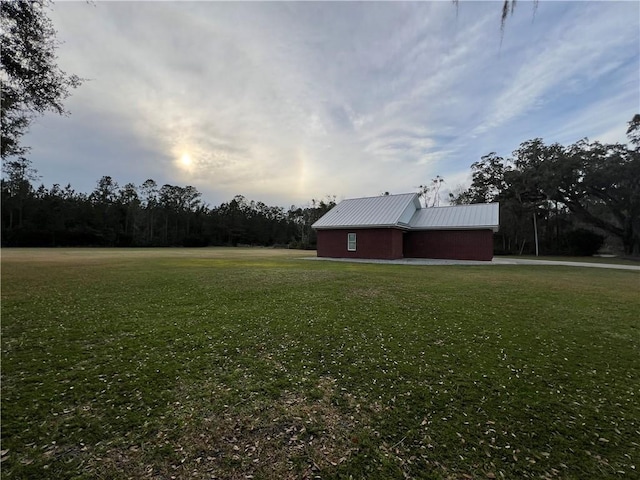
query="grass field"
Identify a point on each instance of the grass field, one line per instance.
(255, 363)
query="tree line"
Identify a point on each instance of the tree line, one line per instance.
(143, 216)
(559, 199)
(554, 199)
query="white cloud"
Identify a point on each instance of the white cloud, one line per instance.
(284, 102)
(576, 52)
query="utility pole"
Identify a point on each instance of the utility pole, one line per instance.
(535, 231)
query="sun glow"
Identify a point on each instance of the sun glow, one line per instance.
(185, 160)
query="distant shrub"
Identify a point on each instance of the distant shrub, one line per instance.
(26, 237)
(582, 242)
(29, 237)
(298, 245)
(124, 240)
(195, 241)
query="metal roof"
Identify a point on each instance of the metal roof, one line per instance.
(480, 215)
(396, 210)
(382, 211)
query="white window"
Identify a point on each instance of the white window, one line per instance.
(351, 242)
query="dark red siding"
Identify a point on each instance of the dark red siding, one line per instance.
(452, 244)
(385, 243)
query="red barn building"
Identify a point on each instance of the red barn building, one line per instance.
(396, 226)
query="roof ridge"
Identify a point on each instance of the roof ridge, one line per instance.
(462, 205)
(379, 196)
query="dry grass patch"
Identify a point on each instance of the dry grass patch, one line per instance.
(367, 293)
(294, 436)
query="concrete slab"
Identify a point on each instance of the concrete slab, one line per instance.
(517, 261)
(495, 261)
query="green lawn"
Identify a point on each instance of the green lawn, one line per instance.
(255, 363)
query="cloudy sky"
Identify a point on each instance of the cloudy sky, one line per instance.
(284, 102)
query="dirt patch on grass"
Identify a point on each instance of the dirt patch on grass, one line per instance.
(295, 436)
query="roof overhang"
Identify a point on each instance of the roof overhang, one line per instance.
(493, 228)
(363, 227)
(408, 228)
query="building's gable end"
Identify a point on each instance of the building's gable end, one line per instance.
(408, 213)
